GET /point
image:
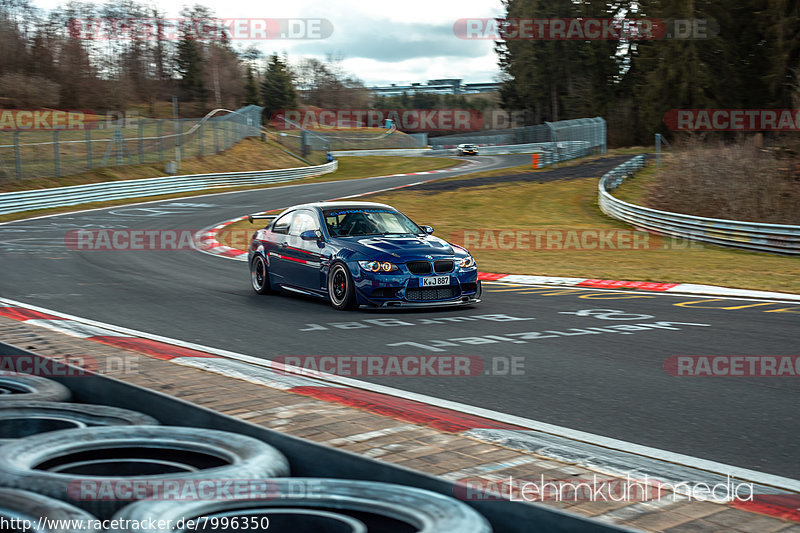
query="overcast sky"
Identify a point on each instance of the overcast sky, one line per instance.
(382, 41)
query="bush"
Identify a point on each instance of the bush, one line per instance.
(738, 181)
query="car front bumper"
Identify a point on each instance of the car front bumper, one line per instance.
(387, 290)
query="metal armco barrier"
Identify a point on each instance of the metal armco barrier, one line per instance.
(552, 152)
(15, 202)
(755, 236)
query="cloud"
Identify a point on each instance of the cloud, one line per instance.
(390, 41)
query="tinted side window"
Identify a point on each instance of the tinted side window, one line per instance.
(303, 221)
(282, 224)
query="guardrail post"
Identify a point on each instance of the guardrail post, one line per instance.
(88, 148)
(118, 146)
(160, 136)
(658, 149)
(141, 141)
(215, 129)
(17, 158)
(604, 135)
(181, 139)
(200, 140)
(56, 154)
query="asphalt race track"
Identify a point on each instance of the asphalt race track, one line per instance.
(579, 369)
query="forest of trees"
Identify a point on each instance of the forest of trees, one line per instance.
(749, 59)
(63, 58)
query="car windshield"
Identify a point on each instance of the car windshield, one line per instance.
(368, 221)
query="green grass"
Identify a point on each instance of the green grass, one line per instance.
(563, 206)
(572, 205)
(635, 190)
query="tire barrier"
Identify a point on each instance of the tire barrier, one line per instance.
(23, 419)
(94, 471)
(21, 506)
(381, 507)
(26, 388)
(96, 468)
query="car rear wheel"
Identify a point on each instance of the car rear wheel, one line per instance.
(340, 288)
(259, 274)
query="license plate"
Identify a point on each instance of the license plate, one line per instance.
(436, 281)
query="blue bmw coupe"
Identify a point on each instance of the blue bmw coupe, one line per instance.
(360, 254)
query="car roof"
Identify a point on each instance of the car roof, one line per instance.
(342, 205)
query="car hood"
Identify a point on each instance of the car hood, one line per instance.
(406, 247)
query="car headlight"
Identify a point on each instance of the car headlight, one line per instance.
(377, 266)
(467, 262)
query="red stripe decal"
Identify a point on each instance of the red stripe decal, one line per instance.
(614, 284)
(402, 409)
(485, 276)
(159, 350)
(786, 506)
(19, 313)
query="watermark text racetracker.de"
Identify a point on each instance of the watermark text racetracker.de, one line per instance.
(584, 29)
(546, 239)
(403, 119)
(202, 29)
(126, 239)
(67, 365)
(410, 366)
(733, 366)
(47, 119)
(745, 120)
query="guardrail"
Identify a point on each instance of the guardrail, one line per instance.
(560, 151)
(754, 236)
(15, 202)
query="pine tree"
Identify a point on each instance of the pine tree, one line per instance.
(250, 89)
(277, 90)
(189, 65)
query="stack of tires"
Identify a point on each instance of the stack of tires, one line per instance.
(65, 466)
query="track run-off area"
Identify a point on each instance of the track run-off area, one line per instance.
(589, 360)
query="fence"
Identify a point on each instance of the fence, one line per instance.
(37, 154)
(773, 238)
(304, 142)
(589, 130)
(15, 202)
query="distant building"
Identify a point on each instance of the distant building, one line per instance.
(440, 86)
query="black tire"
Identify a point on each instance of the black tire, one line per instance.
(24, 505)
(18, 388)
(85, 466)
(23, 419)
(384, 507)
(259, 275)
(341, 292)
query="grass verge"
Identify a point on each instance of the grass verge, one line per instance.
(571, 206)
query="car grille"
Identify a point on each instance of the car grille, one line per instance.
(419, 267)
(441, 293)
(442, 266)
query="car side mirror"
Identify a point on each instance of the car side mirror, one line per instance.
(311, 235)
(427, 229)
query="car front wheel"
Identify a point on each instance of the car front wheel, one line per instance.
(340, 287)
